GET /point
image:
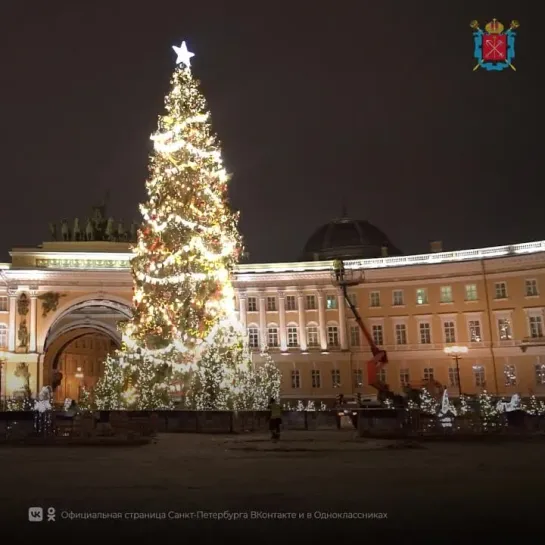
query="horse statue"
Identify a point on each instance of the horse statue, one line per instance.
(89, 230)
(76, 232)
(65, 231)
(513, 405)
(110, 230)
(43, 403)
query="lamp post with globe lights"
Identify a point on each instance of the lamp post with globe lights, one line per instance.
(456, 353)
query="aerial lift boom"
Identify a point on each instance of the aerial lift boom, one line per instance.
(344, 279)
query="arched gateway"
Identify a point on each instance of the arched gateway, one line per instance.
(79, 337)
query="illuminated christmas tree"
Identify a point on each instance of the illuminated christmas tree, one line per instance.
(109, 389)
(184, 328)
(189, 242)
(487, 411)
(428, 404)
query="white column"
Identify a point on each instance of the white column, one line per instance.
(262, 320)
(242, 316)
(32, 326)
(12, 320)
(302, 323)
(282, 320)
(321, 320)
(342, 320)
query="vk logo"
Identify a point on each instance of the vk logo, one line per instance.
(35, 514)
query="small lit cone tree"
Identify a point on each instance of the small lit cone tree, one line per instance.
(109, 389)
(534, 406)
(488, 411)
(428, 404)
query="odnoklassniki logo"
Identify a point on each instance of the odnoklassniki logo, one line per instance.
(494, 46)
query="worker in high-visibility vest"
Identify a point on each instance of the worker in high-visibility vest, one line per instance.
(275, 419)
(338, 267)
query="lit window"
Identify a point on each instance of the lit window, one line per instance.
(421, 296)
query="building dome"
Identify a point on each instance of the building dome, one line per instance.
(346, 238)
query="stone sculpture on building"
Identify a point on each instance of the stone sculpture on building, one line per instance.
(98, 227)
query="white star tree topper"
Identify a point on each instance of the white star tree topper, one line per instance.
(184, 56)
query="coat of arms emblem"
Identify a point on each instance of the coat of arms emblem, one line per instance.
(494, 46)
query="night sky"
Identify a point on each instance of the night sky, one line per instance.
(372, 104)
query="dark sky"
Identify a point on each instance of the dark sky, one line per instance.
(370, 103)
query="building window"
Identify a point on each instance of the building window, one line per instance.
(333, 335)
(401, 334)
(313, 338)
(501, 290)
(398, 299)
(353, 298)
(252, 304)
(271, 304)
(291, 303)
(331, 302)
(3, 304)
(295, 379)
(536, 327)
(453, 377)
(316, 379)
(531, 288)
(504, 328)
(381, 375)
(311, 302)
(273, 337)
(425, 333)
(474, 331)
(378, 335)
(253, 337)
(335, 378)
(478, 373)
(510, 375)
(421, 296)
(540, 374)
(471, 292)
(293, 339)
(354, 335)
(446, 294)
(3, 336)
(450, 332)
(428, 374)
(404, 378)
(358, 378)
(374, 299)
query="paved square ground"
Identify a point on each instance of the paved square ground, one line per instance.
(456, 487)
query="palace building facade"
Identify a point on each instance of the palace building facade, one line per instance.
(60, 303)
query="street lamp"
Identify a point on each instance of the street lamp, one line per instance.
(79, 375)
(456, 352)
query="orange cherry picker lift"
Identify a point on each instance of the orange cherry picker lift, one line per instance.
(344, 279)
